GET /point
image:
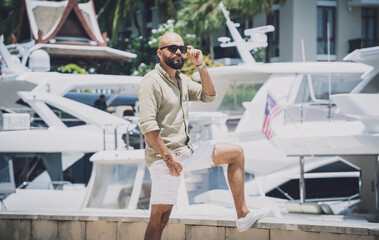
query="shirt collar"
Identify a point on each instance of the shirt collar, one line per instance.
(164, 73)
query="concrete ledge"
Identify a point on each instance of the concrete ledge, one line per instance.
(85, 225)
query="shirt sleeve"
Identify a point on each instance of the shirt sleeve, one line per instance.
(196, 93)
(150, 98)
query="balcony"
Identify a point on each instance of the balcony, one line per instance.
(363, 3)
(362, 43)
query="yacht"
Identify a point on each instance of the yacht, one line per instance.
(41, 128)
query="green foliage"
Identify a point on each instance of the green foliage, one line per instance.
(142, 69)
(113, 14)
(245, 93)
(259, 54)
(173, 26)
(146, 48)
(10, 11)
(139, 46)
(166, 8)
(203, 17)
(72, 68)
(189, 68)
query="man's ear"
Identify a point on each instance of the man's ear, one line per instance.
(159, 53)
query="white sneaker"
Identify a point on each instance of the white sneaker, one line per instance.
(243, 224)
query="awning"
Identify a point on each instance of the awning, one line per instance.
(363, 3)
(87, 52)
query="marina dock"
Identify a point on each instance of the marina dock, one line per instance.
(115, 226)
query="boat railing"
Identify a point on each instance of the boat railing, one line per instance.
(305, 112)
(118, 132)
(330, 199)
(57, 185)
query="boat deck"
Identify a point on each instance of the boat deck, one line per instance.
(89, 225)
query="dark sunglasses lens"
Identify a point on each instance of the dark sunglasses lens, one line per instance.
(174, 48)
(183, 49)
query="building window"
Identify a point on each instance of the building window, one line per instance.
(325, 15)
(274, 48)
(369, 35)
(369, 23)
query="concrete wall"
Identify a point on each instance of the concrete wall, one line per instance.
(348, 26)
(298, 20)
(90, 227)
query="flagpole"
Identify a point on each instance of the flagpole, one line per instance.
(284, 111)
(302, 189)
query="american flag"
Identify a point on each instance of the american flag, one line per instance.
(272, 110)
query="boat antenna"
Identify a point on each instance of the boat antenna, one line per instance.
(258, 38)
(329, 77)
(12, 67)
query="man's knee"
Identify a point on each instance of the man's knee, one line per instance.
(160, 213)
(239, 154)
(227, 153)
(164, 219)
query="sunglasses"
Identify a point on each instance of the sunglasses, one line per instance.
(174, 48)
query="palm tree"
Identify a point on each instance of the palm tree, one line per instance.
(113, 13)
(203, 17)
(9, 18)
(253, 7)
(167, 8)
(245, 9)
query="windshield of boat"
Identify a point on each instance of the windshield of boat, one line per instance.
(316, 86)
(372, 86)
(202, 181)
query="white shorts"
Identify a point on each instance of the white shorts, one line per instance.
(164, 187)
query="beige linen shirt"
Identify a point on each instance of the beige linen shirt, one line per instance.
(164, 107)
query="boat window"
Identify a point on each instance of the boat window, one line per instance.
(372, 86)
(7, 185)
(337, 166)
(340, 83)
(236, 95)
(144, 197)
(334, 180)
(4, 170)
(113, 186)
(201, 181)
(319, 188)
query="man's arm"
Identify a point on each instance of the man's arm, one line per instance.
(196, 57)
(155, 139)
(206, 82)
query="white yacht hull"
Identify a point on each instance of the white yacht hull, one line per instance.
(75, 139)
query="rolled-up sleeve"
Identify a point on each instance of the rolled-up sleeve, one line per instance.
(150, 98)
(196, 92)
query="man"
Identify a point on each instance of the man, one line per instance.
(100, 103)
(163, 95)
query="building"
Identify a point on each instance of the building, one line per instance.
(68, 31)
(352, 24)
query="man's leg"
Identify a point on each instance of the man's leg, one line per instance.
(231, 154)
(160, 213)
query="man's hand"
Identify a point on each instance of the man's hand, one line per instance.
(195, 55)
(174, 166)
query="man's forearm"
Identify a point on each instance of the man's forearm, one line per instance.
(155, 139)
(206, 82)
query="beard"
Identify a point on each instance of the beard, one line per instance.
(174, 63)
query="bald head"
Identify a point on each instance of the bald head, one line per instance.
(170, 38)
